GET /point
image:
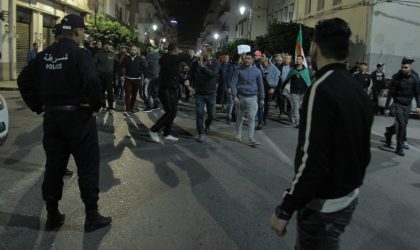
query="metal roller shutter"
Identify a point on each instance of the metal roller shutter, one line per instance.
(22, 45)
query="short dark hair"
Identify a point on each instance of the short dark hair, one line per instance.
(172, 47)
(236, 57)
(249, 54)
(333, 38)
(35, 43)
(299, 56)
(208, 47)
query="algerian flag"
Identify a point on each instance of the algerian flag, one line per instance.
(299, 52)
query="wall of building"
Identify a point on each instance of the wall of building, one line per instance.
(280, 11)
(395, 33)
(352, 11)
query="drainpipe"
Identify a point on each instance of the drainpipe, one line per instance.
(12, 33)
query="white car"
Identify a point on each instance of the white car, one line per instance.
(4, 120)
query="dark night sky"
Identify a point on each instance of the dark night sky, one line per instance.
(190, 16)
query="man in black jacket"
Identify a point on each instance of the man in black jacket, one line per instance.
(69, 120)
(404, 87)
(334, 146)
(378, 80)
(169, 80)
(134, 68)
(205, 71)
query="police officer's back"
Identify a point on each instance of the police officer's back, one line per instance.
(63, 82)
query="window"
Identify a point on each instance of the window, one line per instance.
(336, 2)
(291, 12)
(321, 4)
(308, 6)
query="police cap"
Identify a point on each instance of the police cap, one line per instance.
(407, 60)
(72, 21)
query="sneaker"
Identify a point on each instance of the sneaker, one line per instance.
(399, 152)
(154, 136)
(238, 138)
(406, 146)
(171, 138)
(207, 130)
(54, 222)
(147, 110)
(94, 220)
(155, 108)
(253, 143)
(126, 114)
(259, 127)
(201, 138)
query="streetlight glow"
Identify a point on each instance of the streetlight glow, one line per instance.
(242, 10)
(164, 40)
(216, 36)
(154, 27)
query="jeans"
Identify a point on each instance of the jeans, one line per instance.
(321, 231)
(106, 84)
(263, 111)
(201, 102)
(229, 107)
(168, 98)
(401, 113)
(296, 100)
(250, 106)
(131, 87)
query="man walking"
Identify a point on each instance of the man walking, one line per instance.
(32, 53)
(151, 88)
(363, 77)
(205, 71)
(134, 68)
(298, 87)
(378, 80)
(404, 87)
(271, 76)
(69, 121)
(234, 65)
(282, 100)
(328, 172)
(106, 62)
(169, 79)
(247, 90)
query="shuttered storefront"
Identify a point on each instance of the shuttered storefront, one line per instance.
(47, 34)
(23, 30)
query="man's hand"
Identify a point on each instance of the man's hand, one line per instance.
(278, 225)
(261, 103)
(271, 91)
(146, 81)
(122, 78)
(192, 91)
(387, 112)
(229, 91)
(236, 100)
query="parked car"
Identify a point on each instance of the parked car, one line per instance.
(4, 120)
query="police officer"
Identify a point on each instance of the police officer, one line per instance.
(57, 30)
(404, 87)
(378, 80)
(63, 82)
(363, 76)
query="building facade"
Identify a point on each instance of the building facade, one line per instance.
(382, 31)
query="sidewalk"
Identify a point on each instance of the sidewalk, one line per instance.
(8, 85)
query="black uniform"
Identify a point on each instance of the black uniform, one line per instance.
(402, 91)
(63, 82)
(378, 80)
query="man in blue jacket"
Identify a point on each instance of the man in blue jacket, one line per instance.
(247, 89)
(271, 76)
(205, 70)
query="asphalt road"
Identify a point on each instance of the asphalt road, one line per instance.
(185, 195)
